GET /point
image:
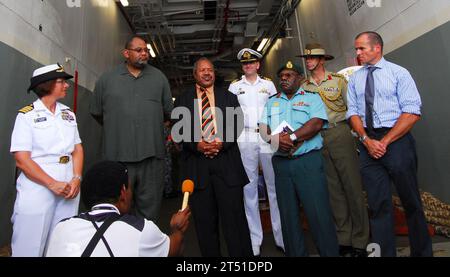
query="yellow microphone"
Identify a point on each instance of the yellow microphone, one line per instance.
(187, 188)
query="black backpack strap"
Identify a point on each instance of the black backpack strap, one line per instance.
(99, 235)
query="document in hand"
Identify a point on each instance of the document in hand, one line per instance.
(283, 127)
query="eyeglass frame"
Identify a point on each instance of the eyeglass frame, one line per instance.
(139, 50)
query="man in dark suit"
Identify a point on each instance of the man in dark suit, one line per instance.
(211, 122)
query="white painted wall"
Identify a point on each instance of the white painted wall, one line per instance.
(329, 22)
(91, 35)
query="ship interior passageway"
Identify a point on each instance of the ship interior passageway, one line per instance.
(87, 37)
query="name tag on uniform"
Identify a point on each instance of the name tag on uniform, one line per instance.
(40, 119)
(301, 104)
(331, 89)
(240, 91)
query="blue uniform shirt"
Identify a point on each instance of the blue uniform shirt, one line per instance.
(395, 93)
(296, 111)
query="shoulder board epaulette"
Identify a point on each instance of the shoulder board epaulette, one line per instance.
(338, 75)
(67, 109)
(27, 109)
(308, 91)
(267, 79)
(276, 95)
(235, 81)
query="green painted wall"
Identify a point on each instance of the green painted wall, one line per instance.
(428, 60)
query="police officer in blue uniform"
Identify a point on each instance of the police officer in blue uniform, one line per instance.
(47, 149)
(292, 121)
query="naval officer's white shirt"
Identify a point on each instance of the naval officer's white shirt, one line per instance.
(130, 236)
(43, 133)
(252, 98)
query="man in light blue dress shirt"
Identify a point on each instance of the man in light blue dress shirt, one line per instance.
(383, 106)
(298, 163)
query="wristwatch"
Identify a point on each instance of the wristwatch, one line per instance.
(293, 137)
(363, 138)
(77, 177)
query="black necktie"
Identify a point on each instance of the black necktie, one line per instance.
(370, 95)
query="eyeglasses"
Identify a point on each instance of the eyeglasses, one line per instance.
(139, 50)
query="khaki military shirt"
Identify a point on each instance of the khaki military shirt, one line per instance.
(333, 91)
(133, 111)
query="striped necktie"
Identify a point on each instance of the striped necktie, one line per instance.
(208, 130)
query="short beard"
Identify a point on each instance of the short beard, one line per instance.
(139, 64)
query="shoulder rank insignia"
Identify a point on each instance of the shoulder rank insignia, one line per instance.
(235, 81)
(338, 75)
(267, 79)
(27, 109)
(278, 95)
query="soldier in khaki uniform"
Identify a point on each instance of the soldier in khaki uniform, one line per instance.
(339, 151)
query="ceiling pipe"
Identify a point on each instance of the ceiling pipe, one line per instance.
(224, 28)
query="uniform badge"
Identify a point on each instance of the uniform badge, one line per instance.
(60, 69)
(276, 104)
(289, 65)
(67, 116)
(301, 104)
(331, 89)
(240, 91)
(246, 55)
(40, 119)
(264, 90)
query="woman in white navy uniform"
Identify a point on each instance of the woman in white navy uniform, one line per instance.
(47, 149)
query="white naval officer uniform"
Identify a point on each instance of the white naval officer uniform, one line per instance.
(48, 137)
(129, 236)
(252, 98)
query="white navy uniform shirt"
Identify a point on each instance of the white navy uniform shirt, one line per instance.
(129, 236)
(39, 131)
(252, 98)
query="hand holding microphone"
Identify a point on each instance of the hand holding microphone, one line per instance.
(187, 188)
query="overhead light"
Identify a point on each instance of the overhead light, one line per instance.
(124, 3)
(152, 53)
(263, 43)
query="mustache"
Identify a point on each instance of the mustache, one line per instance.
(287, 83)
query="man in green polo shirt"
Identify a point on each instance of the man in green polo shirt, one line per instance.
(131, 102)
(292, 121)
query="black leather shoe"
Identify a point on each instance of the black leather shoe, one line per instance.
(345, 251)
(359, 253)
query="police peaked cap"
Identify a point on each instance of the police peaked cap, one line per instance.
(291, 66)
(248, 55)
(47, 73)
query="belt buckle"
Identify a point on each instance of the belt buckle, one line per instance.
(64, 159)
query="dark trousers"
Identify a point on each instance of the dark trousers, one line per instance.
(303, 180)
(147, 180)
(220, 201)
(398, 165)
